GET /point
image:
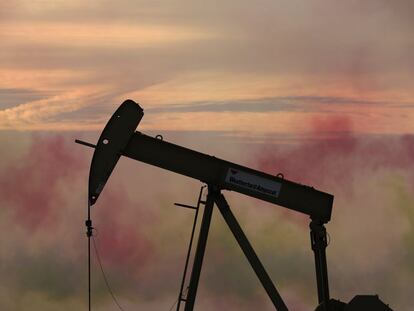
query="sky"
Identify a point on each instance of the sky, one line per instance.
(319, 90)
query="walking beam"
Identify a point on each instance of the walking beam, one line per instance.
(119, 138)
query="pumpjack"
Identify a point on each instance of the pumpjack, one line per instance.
(120, 138)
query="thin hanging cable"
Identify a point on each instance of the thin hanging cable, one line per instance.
(172, 307)
(89, 234)
(106, 280)
(104, 275)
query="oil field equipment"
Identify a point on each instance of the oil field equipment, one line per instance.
(119, 138)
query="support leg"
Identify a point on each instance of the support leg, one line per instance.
(250, 254)
(201, 246)
(319, 244)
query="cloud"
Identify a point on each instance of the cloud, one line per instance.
(28, 187)
(200, 53)
(346, 147)
(282, 103)
(13, 97)
(98, 35)
(36, 114)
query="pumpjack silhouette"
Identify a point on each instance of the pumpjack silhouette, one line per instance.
(119, 138)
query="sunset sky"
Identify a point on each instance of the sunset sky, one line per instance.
(265, 67)
(320, 90)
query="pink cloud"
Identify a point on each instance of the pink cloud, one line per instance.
(29, 186)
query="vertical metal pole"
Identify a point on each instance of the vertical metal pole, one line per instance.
(201, 247)
(319, 244)
(190, 246)
(89, 231)
(250, 254)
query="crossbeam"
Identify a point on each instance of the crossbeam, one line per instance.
(229, 176)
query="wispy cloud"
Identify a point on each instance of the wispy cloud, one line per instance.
(13, 97)
(229, 58)
(275, 104)
(32, 114)
(70, 35)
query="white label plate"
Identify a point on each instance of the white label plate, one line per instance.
(253, 182)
